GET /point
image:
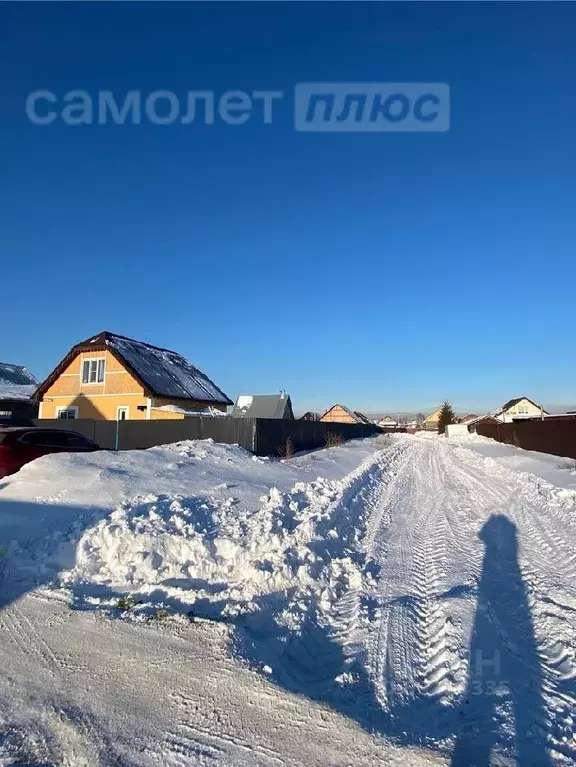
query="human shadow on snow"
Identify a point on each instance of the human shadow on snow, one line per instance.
(504, 678)
(504, 667)
(37, 541)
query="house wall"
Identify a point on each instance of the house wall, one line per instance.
(337, 415)
(456, 430)
(101, 401)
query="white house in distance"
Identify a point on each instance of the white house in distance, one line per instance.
(521, 407)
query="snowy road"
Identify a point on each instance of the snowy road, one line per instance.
(441, 629)
(477, 606)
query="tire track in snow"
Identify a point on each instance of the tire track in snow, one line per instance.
(213, 737)
(534, 507)
(28, 641)
(419, 649)
(409, 650)
(547, 563)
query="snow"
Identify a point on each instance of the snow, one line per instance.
(207, 411)
(14, 391)
(399, 600)
(16, 382)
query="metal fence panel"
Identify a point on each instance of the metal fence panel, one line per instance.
(135, 435)
(557, 437)
(263, 436)
(272, 435)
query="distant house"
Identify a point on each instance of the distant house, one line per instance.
(263, 406)
(466, 418)
(310, 415)
(388, 421)
(521, 407)
(111, 377)
(431, 421)
(482, 420)
(342, 414)
(17, 385)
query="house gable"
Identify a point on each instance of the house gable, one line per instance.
(520, 406)
(123, 374)
(340, 414)
(434, 416)
(68, 381)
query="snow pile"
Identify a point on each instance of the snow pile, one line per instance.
(219, 559)
(194, 526)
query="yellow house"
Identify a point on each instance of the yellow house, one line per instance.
(111, 377)
(431, 421)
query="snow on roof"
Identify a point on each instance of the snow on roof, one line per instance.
(16, 382)
(209, 411)
(17, 375)
(164, 372)
(10, 391)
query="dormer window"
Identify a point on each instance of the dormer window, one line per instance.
(93, 370)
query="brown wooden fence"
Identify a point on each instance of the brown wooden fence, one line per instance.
(552, 435)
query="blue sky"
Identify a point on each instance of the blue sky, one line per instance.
(386, 271)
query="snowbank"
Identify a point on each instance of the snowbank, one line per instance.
(553, 469)
(195, 527)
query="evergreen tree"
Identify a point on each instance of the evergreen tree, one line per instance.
(446, 417)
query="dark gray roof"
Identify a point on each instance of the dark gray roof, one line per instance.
(16, 374)
(263, 406)
(162, 372)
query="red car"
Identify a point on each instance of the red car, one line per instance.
(20, 445)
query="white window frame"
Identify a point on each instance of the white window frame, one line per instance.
(122, 407)
(89, 360)
(64, 408)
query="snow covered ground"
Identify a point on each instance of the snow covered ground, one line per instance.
(400, 600)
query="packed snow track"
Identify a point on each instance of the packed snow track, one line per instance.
(407, 601)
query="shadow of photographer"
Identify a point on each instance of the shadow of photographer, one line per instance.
(505, 673)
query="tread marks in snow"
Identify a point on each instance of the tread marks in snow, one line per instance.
(409, 652)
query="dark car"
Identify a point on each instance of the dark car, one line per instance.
(20, 445)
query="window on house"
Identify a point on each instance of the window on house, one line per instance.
(67, 412)
(93, 370)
